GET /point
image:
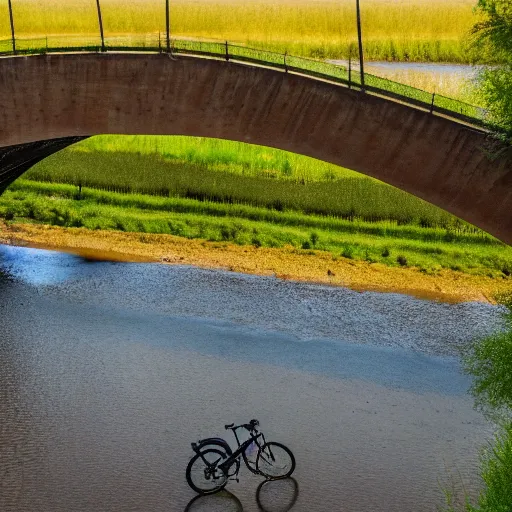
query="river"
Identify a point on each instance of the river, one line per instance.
(109, 370)
(451, 80)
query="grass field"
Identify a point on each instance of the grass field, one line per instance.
(235, 173)
(248, 195)
(416, 30)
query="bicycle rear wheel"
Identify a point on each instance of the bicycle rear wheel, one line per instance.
(275, 461)
(203, 473)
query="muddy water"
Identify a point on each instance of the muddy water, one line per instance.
(109, 370)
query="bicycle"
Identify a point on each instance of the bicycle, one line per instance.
(208, 471)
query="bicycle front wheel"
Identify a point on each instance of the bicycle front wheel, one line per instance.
(275, 461)
(203, 472)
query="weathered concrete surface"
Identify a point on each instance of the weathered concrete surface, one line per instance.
(45, 97)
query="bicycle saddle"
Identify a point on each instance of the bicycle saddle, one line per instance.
(229, 426)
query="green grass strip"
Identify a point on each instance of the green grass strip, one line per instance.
(482, 259)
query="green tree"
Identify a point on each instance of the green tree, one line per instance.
(492, 37)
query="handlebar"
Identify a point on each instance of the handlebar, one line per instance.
(248, 426)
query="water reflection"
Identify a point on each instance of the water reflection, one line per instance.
(271, 496)
(223, 501)
(36, 266)
(277, 495)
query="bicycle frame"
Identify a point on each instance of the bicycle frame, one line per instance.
(241, 451)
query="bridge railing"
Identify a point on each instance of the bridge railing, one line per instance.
(407, 94)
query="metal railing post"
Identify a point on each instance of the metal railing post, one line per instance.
(432, 104)
(167, 26)
(350, 67)
(227, 51)
(285, 65)
(100, 21)
(360, 42)
(159, 43)
(12, 28)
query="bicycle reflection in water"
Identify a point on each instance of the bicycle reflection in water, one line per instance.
(271, 496)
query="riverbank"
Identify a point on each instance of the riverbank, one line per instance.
(285, 263)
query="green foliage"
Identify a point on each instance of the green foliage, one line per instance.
(494, 32)
(496, 91)
(489, 362)
(493, 36)
(497, 475)
(224, 171)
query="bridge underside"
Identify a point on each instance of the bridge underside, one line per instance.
(60, 99)
(15, 160)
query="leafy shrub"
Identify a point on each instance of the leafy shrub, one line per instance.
(401, 260)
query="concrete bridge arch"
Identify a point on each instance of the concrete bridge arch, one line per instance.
(70, 96)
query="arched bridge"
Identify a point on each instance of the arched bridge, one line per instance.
(61, 98)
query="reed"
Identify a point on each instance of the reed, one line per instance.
(416, 30)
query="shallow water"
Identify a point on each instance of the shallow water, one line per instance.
(464, 70)
(451, 80)
(109, 370)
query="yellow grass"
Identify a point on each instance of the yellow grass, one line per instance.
(399, 28)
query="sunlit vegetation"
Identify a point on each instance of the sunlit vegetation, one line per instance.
(236, 173)
(428, 249)
(248, 195)
(493, 36)
(415, 30)
(489, 362)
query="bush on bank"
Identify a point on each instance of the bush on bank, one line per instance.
(489, 362)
